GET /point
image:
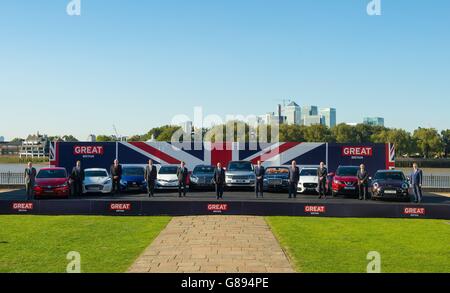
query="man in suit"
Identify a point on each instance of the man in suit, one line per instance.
(363, 182)
(219, 180)
(416, 182)
(150, 175)
(77, 178)
(322, 174)
(259, 183)
(182, 174)
(30, 179)
(116, 175)
(294, 177)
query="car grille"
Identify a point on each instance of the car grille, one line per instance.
(310, 185)
(94, 187)
(240, 177)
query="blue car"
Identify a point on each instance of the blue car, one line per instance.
(276, 179)
(133, 179)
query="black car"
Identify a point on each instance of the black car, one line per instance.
(276, 179)
(390, 184)
(202, 177)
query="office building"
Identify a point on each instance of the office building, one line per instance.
(312, 120)
(374, 121)
(293, 114)
(328, 116)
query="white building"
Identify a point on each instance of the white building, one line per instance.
(35, 145)
(2, 139)
(328, 116)
(293, 114)
(312, 120)
(91, 138)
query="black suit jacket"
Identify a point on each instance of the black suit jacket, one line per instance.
(219, 176)
(182, 174)
(294, 174)
(260, 172)
(363, 177)
(150, 175)
(322, 173)
(116, 171)
(77, 175)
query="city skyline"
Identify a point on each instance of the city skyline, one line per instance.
(137, 65)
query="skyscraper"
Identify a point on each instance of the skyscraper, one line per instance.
(374, 121)
(293, 114)
(329, 116)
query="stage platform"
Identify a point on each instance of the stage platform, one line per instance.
(234, 203)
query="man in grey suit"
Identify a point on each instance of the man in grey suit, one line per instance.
(322, 174)
(150, 175)
(182, 174)
(363, 182)
(416, 182)
(259, 183)
(294, 177)
(30, 178)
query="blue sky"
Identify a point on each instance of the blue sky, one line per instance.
(137, 63)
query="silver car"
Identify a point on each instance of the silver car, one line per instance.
(240, 174)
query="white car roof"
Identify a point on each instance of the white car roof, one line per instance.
(95, 169)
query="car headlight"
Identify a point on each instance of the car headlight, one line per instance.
(123, 182)
(194, 179)
(107, 181)
(337, 181)
(405, 185)
(376, 185)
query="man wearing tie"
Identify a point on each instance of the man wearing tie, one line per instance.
(150, 175)
(182, 174)
(30, 179)
(116, 175)
(363, 182)
(77, 178)
(322, 174)
(294, 177)
(259, 184)
(219, 180)
(416, 182)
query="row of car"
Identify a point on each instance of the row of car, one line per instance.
(239, 174)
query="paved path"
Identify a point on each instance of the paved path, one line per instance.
(227, 244)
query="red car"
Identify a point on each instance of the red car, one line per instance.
(52, 182)
(345, 181)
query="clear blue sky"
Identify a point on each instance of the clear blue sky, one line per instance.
(138, 63)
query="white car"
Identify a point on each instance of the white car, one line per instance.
(167, 177)
(97, 181)
(309, 182)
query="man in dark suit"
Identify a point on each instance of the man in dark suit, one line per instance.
(219, 180)
(363, 182)
(116, 175)
(182, 174)
(77, 178)
(294, 177)
(416, 182)
(322, 174)
(30, 179)
(259, 183)
(150, 175)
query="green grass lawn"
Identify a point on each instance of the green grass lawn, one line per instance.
(106, 244)
(341, 245)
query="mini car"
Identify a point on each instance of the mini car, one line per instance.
(52, 182)
(309, 182)
(133, 179)
(97, 180)
(167, 177)
(202, 177)
(345, 181)
(390, 184)
(276, 179)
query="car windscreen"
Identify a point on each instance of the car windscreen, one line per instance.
(308, 172)
(51, 174)
(347, 171)
(273, 170)
(98, 173)
(203, 169)
(133, 171)
(240, 166)
(168, 170)
(390, 176)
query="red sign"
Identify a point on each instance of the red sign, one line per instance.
(357, 151)
(218, 207)
(22, 206)
(315, 209)
(120, 207)
(414, 211)
(88, 150)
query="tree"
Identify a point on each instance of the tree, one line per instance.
(292, 133)
(69, 138)
(106, 138)
(344, 133)
(318, 133)
(404, 144)
(429, 141)
(446, 141)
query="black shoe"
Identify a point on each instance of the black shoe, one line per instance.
(320, 197)
(360, 198)
(290, 196)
